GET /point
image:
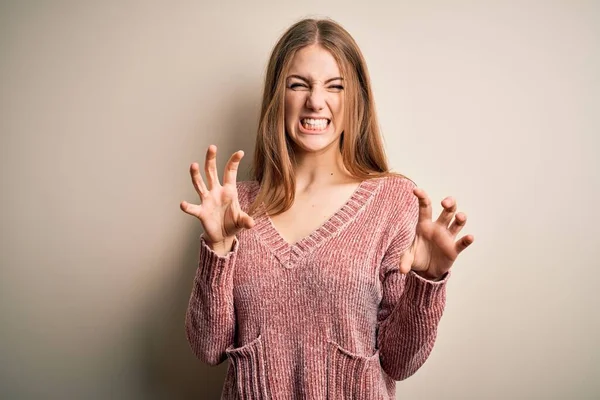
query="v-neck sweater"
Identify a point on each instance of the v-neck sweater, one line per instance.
(328, 317)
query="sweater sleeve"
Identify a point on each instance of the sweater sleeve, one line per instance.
(411, 306)
(210, 316)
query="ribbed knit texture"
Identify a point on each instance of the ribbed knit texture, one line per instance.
(329, 317)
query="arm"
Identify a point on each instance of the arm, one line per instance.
(210, 317)
(411, 306)
(411, 310)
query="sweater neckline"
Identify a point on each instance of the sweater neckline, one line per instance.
(290, 254)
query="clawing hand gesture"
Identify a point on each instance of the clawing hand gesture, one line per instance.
(435, 248)
(219, 210)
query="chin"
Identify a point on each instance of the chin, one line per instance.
(315, 143)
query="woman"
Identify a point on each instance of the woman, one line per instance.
(325, 276)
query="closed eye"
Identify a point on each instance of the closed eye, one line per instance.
(298, 86)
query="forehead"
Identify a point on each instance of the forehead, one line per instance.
(314, 63)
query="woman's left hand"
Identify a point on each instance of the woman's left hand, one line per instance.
(435, 248)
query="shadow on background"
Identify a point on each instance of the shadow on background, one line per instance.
(169, 368)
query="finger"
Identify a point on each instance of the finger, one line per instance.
(192, 209)
(247, 221)
(449, 205)
(424, 204)
(405, 263)
(210, 167)
(197, 180)
(231, 169)
(464, 242)
(459, 222)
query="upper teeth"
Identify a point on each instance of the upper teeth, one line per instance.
(312, 121)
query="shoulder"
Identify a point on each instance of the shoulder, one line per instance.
(398, 182)
(246, 186)
(397, 189)
(247, 191)
(396, 204)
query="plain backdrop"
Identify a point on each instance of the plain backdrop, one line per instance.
(104, 105)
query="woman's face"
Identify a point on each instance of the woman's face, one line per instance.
(314, 100)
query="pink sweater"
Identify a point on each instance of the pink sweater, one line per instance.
(329, 317)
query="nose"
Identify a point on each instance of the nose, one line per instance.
(315, 100)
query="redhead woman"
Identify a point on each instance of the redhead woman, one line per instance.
(324, 277)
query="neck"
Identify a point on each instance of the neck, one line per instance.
(318, 169)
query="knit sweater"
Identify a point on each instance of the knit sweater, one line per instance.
(328, 317)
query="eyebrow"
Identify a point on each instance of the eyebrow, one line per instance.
(307, 81)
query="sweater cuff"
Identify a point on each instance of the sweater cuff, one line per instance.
(209, 254)
(424, 293)
(213, 269)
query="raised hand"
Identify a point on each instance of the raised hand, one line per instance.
(435, 248)
(219, 210)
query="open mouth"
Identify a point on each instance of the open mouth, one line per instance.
(315, 124)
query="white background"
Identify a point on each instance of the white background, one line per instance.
(103, 106)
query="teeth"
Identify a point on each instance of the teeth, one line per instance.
(311, 123)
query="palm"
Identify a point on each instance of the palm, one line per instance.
(219, 212)
(435, 248)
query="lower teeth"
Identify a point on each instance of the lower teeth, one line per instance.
(314, 127)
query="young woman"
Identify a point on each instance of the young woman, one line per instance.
(325, 276)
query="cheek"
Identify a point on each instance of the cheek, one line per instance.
(291, 107)
(337, 109)
(337, 106)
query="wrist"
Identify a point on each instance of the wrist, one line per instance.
(221, 247)
(428, 276)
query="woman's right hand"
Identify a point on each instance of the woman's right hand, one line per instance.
(219, 210)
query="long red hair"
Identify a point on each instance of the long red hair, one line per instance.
(361, 144)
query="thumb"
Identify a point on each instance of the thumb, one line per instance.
(406, 262)
(247, 221)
